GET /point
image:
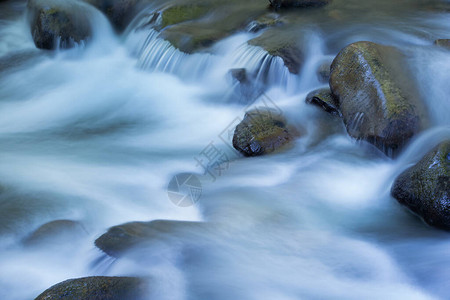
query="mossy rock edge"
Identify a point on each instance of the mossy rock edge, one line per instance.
(97, 288)
(425, 187)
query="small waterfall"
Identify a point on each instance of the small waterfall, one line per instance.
(159, 55)
(264, 68)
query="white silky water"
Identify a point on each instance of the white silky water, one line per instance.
(96, 133)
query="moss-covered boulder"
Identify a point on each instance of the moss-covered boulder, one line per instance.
(425, 187)
(56, 23)
(283, 43)
(119, 12)
(377, 97)
(125, 237)
(55, 232)
(262, 131)
(97, 288)
(196, 26)
(443, 43)
(297, 3)
(324, 99)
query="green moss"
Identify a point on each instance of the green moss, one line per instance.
(184, 27)
(182, 13)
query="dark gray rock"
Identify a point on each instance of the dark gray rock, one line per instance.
(297, 3)
(119, 12)
(425, 187)
(239, 75)
(97, 288)
(261, 132)
(445, 43)
(56, 23)
(324, 99)
(377, 97)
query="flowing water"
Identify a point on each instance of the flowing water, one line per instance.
(95, 134)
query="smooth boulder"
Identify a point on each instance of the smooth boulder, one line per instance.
(377, 97)
(425, 187)
(59, 24)
(97, 288)
(262, 131)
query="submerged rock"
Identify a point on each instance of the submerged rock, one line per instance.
(16, 60)
(97, 287)
(324, 99)
(377, 98)
(239, 74)
(297, 3)
(122, 238)
(246, 89)
(267, 20)
(59, 23)
(281, 43)
(261, 132)
(323, 72)
(425, 187)
(443, 43)
(55, 232)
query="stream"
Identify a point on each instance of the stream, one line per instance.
(96, 133)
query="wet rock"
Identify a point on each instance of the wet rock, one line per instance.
(283, 44)
(297, 3)
(58, 23)
(122, 238)
(119, 12)
(55, 232)
(376, 96)
(323, 72)
(268, 20)
(98, 287)
(199, 25)
(261, 132)
(425, 187)
(443, 43)
(324, 99)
